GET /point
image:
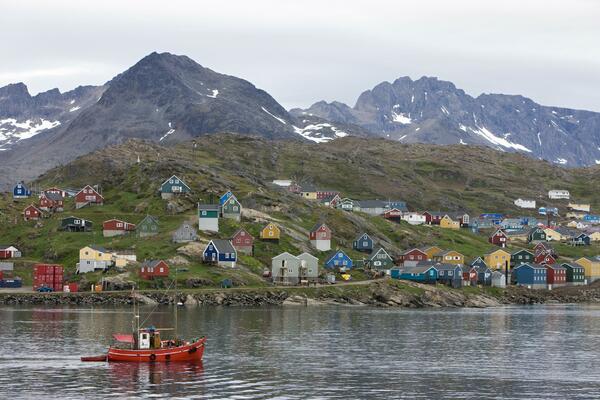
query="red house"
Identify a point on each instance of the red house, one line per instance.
(412, 257)
(243, 242)
(556, 275)
(324, 193)
(433, 218)
(499, 238)
(9, 252)
(86, 196)
(55, 190)
(50, 201)
(545, 247)
(116, 227)
(154, 269)
(32, 213)
(393, 215)
(544, 258)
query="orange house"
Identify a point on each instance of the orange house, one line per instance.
(270, 232)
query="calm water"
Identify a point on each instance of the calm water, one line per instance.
(543, 352)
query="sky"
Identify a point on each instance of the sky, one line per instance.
(306, 51)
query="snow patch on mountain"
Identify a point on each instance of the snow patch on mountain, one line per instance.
(320, 133)
(169, 132)
(561, 161)
(215, 93)
(499, 141)
(74, 109)
(274, 116)
(12, 131)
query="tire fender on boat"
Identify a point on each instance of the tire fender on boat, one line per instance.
(192, 350)
(152, 357)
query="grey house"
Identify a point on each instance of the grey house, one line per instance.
(309, 268)
(185, 233)
(378, 207)
(285, 269)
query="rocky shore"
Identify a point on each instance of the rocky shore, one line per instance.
(385, 293)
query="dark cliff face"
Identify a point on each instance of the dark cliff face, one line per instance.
(428, 110)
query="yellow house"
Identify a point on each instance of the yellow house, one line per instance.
(431, 251)
(594, 237)
(448, 223)
(95, 253)
(497, 259)
(591, 266)
(551, 234)
(270, 232)
(449, 257)
(309, 193)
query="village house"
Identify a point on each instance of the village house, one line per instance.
(88, 196)
(54, 190)
(151, 269)
(469, 275)
(556, 275)
(460, 216)
(311, 193)
(546, 248)
(484, 274)
(363, 243)
(74, 224)
(450, 274)
(411, 257)
(433, 217)
(93, 258)
(522, 203)
(294, 188)
(420, 274)
(243, 242)
(339, 259)
(309, 268)
(579, 207)
(378, 207)
(148, 226)
(530, 275)
(284, 183)
(392, 214)
(521, 257)
(270, 232)
(499, 238)
(497, 259)
(414, 218)
(20, 191)
(7, 252)
(559, 194)
(581, 239)
(331, 201)
(592, 219)
(517, 234)
(498, 279)
(591, 266)
(287, 269)
(50, 201)
(116, 227)
(575, 215)
(208, 217)
(173, 186)
(511, 223)
(32, 213)
(544, 258)
(448, 223)
(345, 204)
(536, 235)
(380, 260)
(449, 257)
(320, 237)
(431, 251)
(220, 252)
(575, 273)
(185, 233)
(556, 234)
(230, 207)
(594, 236)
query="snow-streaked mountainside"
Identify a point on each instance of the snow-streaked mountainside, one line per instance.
(432, 111)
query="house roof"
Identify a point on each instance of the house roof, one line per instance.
(359, 237)
(150, 218)
(53, 196)
(151, 263)
(175, 176)
(205, 206)
(444, 252)
(223, 246)
(308, 187)
(446, 267)
(318, 225)
(371, 203)
(532, 265)
(408, 251)
(377, 250)
(239, 231)
(496, 250)
(97, 248)
(332, 255)
(521, 251)
(418, 269)
(436, 213)
(329, 198)
(307, 255)
(516, 232)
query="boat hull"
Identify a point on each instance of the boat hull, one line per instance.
(190, 352)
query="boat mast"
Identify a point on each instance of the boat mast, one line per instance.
(176, 302)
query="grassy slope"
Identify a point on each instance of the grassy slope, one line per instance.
(427, 177)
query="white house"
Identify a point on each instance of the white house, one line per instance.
(282, 182)
(579, 207)
(522, 203)
(559, 194)
(498, 279)
(414, 218)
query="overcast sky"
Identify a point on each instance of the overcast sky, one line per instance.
(305, 51)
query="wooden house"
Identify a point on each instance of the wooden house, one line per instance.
(208, 217)
(320, 237)
(287, 269)
(536, 235)
(52, 202)
(94, 258)
(411, 257)
(498, 279)
(345, 204)
(575, 273)
(220, 252)
(478, 262)
(226, 196)
(363, 243)
(431, 251)
(185, 233)
(393, 215)
(308, 271)
(544, 258)
(54, 190)
(414, 218)
(380, 260)
(581, 239)
(231, 208)
(270, 232)
(554, 235)
(545, 247)
(594, 236)
(331, 201)
(511, 223)
(592, 219)
(88, 196)
(448, 223)
(556, 275)
(312, 193)
(422, 274)
(449, 257)
(152, 269)
(20, 191)
(530, 275)
(469, 275)
(243, 241)
(559, 194)
(499, 238)
(9, 252)
(148, 226)
(378, 207)
(460, 216)
(116, 227)
(339, 259)
(521, 257)
(497, 259)
(517, 234)
(523, 203)
(173, 186)
(74, 224)
(32, 213)
(484, 275)
(579, 207)
(433, 217)
(450, 274)
(591, 266)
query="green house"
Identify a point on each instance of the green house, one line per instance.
(521, 257)
(231, 208)
(147, 227)
(173, 186)
(381, 260)
(535, 235)
(575, 273)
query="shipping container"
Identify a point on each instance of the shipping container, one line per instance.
(11, 283)
(1, 275)
(73, 287)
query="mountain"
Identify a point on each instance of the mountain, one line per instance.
(163, 98)
(429, 110)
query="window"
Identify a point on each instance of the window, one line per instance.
(204, 212)
(365, 244)
(271, 233)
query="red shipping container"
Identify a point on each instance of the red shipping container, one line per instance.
(74, 287)
(1, 275)
(58, 287)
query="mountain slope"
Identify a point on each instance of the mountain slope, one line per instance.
(432, 111)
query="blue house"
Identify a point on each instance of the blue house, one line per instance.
(339, 259)
(594, 219)
(220, 252)
(531, 275)
(20, 191)
(225, 197)
(400, 205)
(450, 274)
(496, 218)
(363, 243)
(478, 262)
(424, 274)
(484, 275)
(581, 239)
(173, 186)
